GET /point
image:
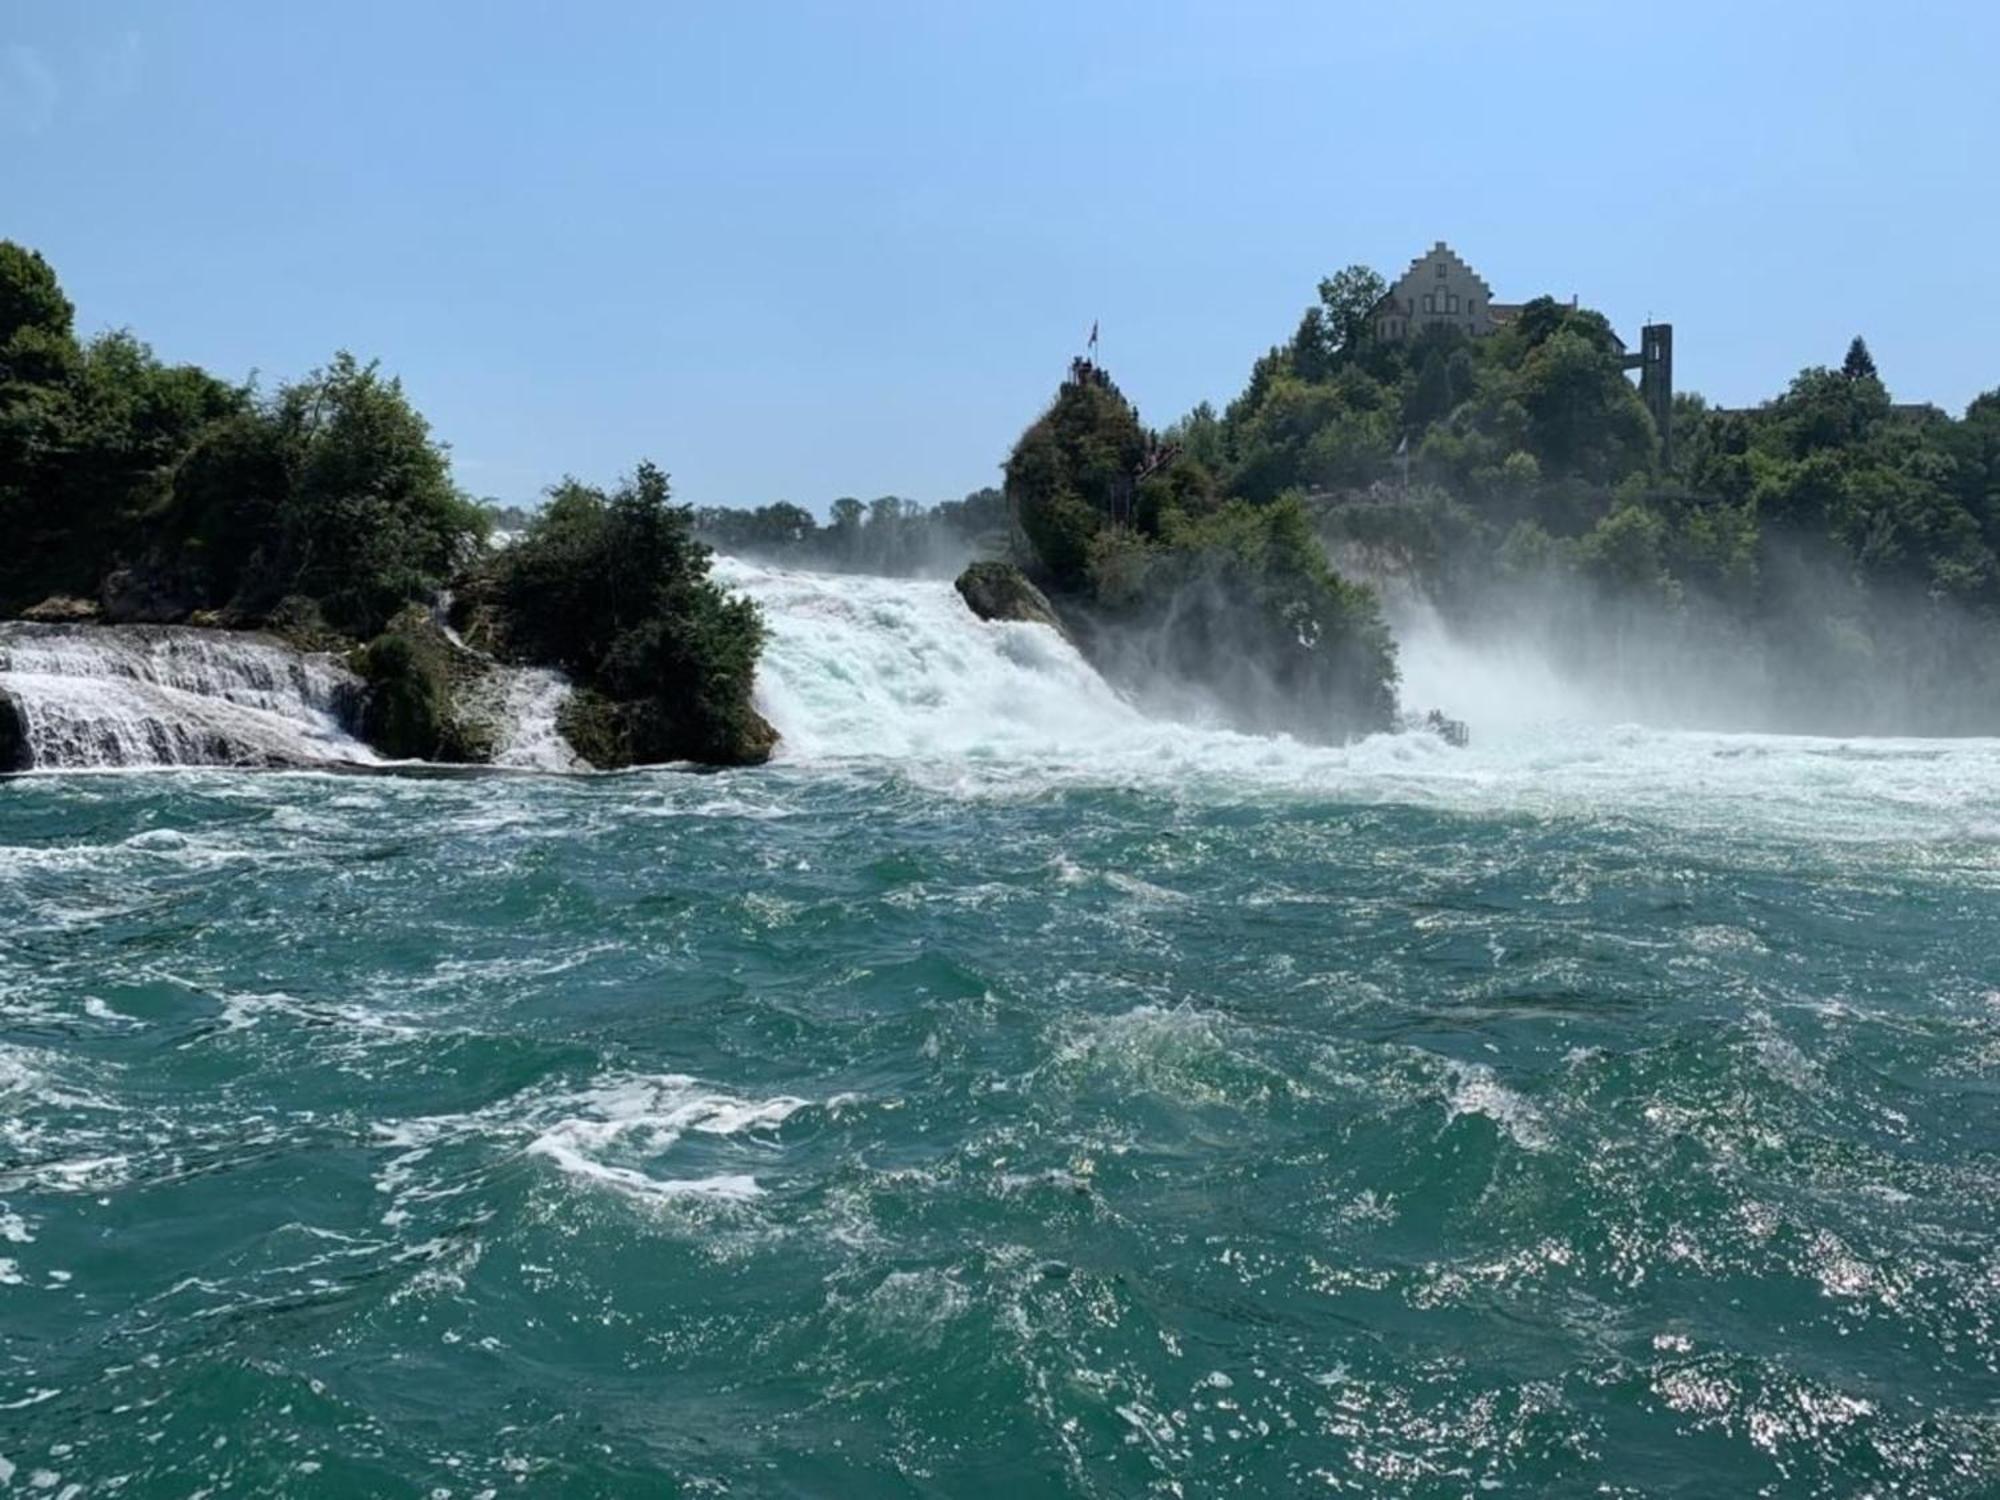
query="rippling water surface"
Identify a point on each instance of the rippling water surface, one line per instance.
(1610, 1116)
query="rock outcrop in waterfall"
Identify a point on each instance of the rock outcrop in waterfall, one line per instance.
(1001, 591)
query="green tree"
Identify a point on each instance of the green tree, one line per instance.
(30, 296)
(1348, 299)
(615, 589)
(38, 363)
(1584, 417)
(1073, 472)
(371, 519)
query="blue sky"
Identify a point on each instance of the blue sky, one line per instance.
(798, 251)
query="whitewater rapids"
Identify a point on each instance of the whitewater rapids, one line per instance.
(862, 674)
(94, 697)
(861, 669)
(1007, 1093)
(160, 695)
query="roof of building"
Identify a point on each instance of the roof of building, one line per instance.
(1443, 251)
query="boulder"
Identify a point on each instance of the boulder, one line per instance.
(756, 738)
(613, 734)
(416, 677)
(62, 609)
(1001, 591)
(150, 593)
(14, 752)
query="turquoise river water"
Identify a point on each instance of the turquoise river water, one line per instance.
(997, 1098)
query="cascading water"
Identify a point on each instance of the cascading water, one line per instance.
(519, 704)
(859, 668)
(146, 695)
(1006, 1090)
(526, 705)
(857, 665)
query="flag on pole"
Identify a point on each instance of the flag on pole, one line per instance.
(1093, 333)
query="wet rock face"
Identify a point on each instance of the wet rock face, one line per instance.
(61, 609)
(420, 683)
(612, 735)
(14, 753)
(1001, 591)
(147, 594)
(755, 740)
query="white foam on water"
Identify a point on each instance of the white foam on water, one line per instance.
(603, 1135)
(734, 1187)
(1474, 1090)
(531, 698)
(520, 706)
(859, 665)
(242, 1011)
(864, 670)
(110, 696)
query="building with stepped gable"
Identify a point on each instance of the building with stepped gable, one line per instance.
(1441, 291)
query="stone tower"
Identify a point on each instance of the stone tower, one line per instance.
(1656, 381)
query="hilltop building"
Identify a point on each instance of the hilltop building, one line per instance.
(1441, 291)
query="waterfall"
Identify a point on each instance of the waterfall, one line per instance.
(525, 702)
(856, 665)
(519, 704)
(162, 695)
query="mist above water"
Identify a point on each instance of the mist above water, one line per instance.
(869, 674)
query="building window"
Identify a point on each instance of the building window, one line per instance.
(1451, 301)
(1430, 302)
(1440, 270)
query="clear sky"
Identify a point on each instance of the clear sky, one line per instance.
(797, 251)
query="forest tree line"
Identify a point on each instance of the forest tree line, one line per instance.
(136, 491)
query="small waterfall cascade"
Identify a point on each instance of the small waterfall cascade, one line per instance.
(162, 695)
(522, 704)
(519, 704)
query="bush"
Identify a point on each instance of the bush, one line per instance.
(410, 711)
(1074, 471)
(615, 591)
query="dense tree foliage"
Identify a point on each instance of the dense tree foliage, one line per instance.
(1232, 598)
(1822, 527)
(160, 489)
(614, 589)
(890, 535)
(327, 510)
(332, 490)
(89, 436)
